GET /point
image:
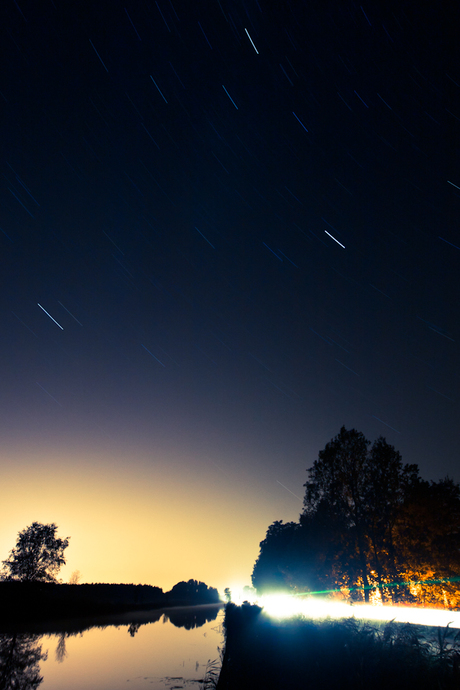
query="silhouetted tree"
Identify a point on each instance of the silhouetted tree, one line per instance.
(20, 656)
(61, 649)
(275, 558)
(388, 486)
(195, 592)
(37, 556)
(191, 618)
(133, 628)
(75, 578)
(362, 491)
(368, 522)
(337, 486)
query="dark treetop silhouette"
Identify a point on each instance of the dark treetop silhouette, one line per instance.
(37, 556)
(369, 523)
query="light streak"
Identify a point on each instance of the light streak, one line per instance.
(285, 606)
(447, 241)
(453, 185)
(271, 250)
(390, 427)
(300, 121)
(384, 101)
(286, 257)
(344, 365)
(291, 492)
(70, 313)
(48, 393)
(150, 353)
(305, 605)
(205, 238)
(361, 99)
(159, 91)
(367, 18)
(166, 23)
(202, 30)
(229, 96)
(150, 138)
(333, 238)
(252, 42)
(57, 324)
(24, 324)
(102, 62)
(177, 76)
(18, 199)
(286, 75)
(132, 24)
(341, 97)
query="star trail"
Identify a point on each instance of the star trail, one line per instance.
(168, 172)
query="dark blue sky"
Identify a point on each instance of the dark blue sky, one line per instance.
(244, 218)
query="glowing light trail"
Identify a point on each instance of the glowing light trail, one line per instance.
(252, 42)
(57, 324)
(151, 353)
(102, 61)
(229, 96)
(300, 121)
(333, 238)
(285, 606)
(159, 90)
(306, 605)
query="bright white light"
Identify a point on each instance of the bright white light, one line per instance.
(241, 594)
(283, 606)
(409, 614)
(287, 606)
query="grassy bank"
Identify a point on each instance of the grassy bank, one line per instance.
(296, 654)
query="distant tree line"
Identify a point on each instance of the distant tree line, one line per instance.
(369, 526)
(29, 587)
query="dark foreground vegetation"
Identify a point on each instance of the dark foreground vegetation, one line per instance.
(334, 655)
(33, 601)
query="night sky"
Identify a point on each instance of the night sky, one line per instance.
(228, 229)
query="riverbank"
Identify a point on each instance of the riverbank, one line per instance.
(22, 602)
(333, 655)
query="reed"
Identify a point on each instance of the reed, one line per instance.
(335, 655)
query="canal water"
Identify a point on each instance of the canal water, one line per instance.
(158, 650)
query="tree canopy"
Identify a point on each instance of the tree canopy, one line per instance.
(369, 524)
(37, 556)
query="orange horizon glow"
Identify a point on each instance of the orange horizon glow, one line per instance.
(153, 522)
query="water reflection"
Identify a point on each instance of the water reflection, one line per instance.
(20, 656)
(190, 619)
(21, 650)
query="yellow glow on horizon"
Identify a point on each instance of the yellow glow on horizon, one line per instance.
(147, 519)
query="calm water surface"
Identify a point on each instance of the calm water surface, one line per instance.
(155, 650)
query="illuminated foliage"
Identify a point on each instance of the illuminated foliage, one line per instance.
(370, 525)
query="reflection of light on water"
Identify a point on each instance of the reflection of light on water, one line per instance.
(287, 606)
